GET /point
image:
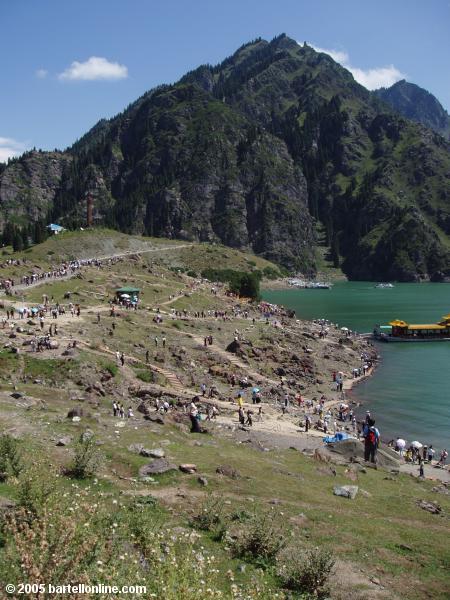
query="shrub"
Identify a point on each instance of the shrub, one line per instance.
(80, 536)
(10, 457)
(111, 368)
(34, 488)
(259, 540)
(306, 571)
(191, 274)
(271, 273)
(240, 282)
(211, 517)
(86, 458)
(145, 375)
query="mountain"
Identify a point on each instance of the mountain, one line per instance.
(252, 153)
(415, 103)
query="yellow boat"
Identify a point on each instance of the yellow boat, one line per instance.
(401, 331)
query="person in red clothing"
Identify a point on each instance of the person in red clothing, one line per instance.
(371, 441)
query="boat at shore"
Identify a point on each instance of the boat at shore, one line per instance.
(401, 331)
(384, 286)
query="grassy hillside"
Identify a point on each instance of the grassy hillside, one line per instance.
(264, 526)
(100, 243)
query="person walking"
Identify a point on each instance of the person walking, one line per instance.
(122, 359)
(307, 423)
(147, 356)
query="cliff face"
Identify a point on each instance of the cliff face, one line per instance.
(28, 186)
(415, 103)
(250, 153)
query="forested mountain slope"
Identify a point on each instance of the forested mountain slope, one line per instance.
(417, 104)
(250, 153)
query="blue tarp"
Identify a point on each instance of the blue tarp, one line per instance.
(338, 437)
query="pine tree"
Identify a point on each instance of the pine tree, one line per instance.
(17, 242)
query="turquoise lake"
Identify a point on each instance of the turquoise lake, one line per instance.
(409, 392)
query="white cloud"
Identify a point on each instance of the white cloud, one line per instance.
(10, 148)
(93, 69)
(41, 73)
(372, 79)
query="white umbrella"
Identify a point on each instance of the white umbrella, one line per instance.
(344, 328)
(400, 443)
(124, 295)
(416, 445)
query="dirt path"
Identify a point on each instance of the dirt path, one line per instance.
(22, 286)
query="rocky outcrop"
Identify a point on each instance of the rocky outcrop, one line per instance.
(28, 186)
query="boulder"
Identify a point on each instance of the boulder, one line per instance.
(188, 468)
(143, 408)
(135, 448)
(202, 481)
(228, 471)
(87, 435)
(432, 507)
(157, 467)
(53, 344)
(64, 441)
(234, 347)
(76, 411)
(154, 418)
(346, 491)
(321, 455)
(153, 452)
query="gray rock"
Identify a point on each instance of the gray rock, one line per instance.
(87, 435)
(432, 507)
(202, 481)
(77, 411)
(153, 452)
(135, 448)
(157, 467)
(228, 471)
(346, 491)
(64, 441)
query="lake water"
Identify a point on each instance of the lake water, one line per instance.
(409, 394)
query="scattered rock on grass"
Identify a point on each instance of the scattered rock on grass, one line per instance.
(64, 441)
(432, 507)
(157, 467)
(346, 491)
(228, 471)
(135, 448)
(157, 453)
(202, 481)
(77, 411)
(188, 468)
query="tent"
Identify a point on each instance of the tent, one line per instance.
(130, 291)
(338, 437)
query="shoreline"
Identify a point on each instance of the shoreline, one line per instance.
(357, 401)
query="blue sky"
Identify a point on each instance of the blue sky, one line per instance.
(66, 64)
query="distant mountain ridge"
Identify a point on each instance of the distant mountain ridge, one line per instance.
(415, 103)
(252, 153)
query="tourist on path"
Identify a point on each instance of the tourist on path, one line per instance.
(371, 442)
